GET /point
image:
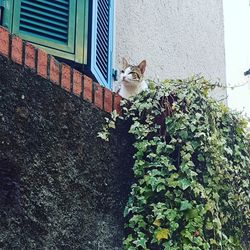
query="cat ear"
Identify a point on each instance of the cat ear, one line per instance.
(142, 66)
(125, 63)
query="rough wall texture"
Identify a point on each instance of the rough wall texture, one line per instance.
(178, 38)
(60, 186)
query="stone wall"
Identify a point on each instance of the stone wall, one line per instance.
(61, 187)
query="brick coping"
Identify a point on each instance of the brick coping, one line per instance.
(60, 74)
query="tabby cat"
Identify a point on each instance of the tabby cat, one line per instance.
(131, 78)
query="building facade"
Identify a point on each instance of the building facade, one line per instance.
(177, 38)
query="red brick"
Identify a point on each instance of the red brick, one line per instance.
(77, 82)
(30, 54)
(66, 76)
(54, 70)
(4, 42)
(117, 100)
(17, 49)
(98, 95)
(108, 100)
(42, 63)
(87, 85)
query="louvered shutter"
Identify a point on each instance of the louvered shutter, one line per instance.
(50, 23)
(101, 45)
(77, 30)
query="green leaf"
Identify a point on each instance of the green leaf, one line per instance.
(140, 243)
(192, 127)
(191, 169)
(160, 188)
(183, 134)
(209, 226)
(184, 183)
(192, 213)
(171, 215)
(171, 167)
(185, 205)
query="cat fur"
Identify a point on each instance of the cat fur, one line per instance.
(131, 79)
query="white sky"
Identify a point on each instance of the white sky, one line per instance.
(237, 44)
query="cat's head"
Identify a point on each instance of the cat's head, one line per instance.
(132, 75)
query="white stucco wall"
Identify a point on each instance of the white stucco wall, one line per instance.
(178, 38)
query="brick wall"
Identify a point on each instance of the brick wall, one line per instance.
(46, 66)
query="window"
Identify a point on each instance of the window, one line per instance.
(75, 30)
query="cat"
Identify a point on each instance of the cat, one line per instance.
(131, 78)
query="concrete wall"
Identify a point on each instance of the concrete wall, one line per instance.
(178, 38)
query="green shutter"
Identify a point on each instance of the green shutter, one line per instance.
(58, 26)
(77, 30)
(47, 23)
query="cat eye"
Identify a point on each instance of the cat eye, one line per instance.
(134, 74)
(122, 71)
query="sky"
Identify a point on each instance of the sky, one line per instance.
(237, 51)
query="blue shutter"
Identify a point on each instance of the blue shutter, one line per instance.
(101, 45)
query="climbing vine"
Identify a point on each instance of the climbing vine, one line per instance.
(191, 168)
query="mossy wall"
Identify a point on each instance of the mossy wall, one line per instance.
(60, 186)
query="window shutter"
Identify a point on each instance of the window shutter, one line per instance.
(101, 51)
(77, 30)
(45, 22)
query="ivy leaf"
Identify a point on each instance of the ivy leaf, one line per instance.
(192, 127)
(183, 134)
(171, 181)
(217, 222)
(171, 214)
(192, 213)
(171, 167)
(209, 225)
(162, 233)
(194, 144)
(103, 136)
(184, 183)
(245, 183)
(199, 161)
(213, 242)
(185, 205)
(160, 188)
(140, 243)
(157, 222)
(210, 206)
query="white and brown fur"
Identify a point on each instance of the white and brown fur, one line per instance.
(131, 79)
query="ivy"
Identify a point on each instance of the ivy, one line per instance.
(191, 170)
